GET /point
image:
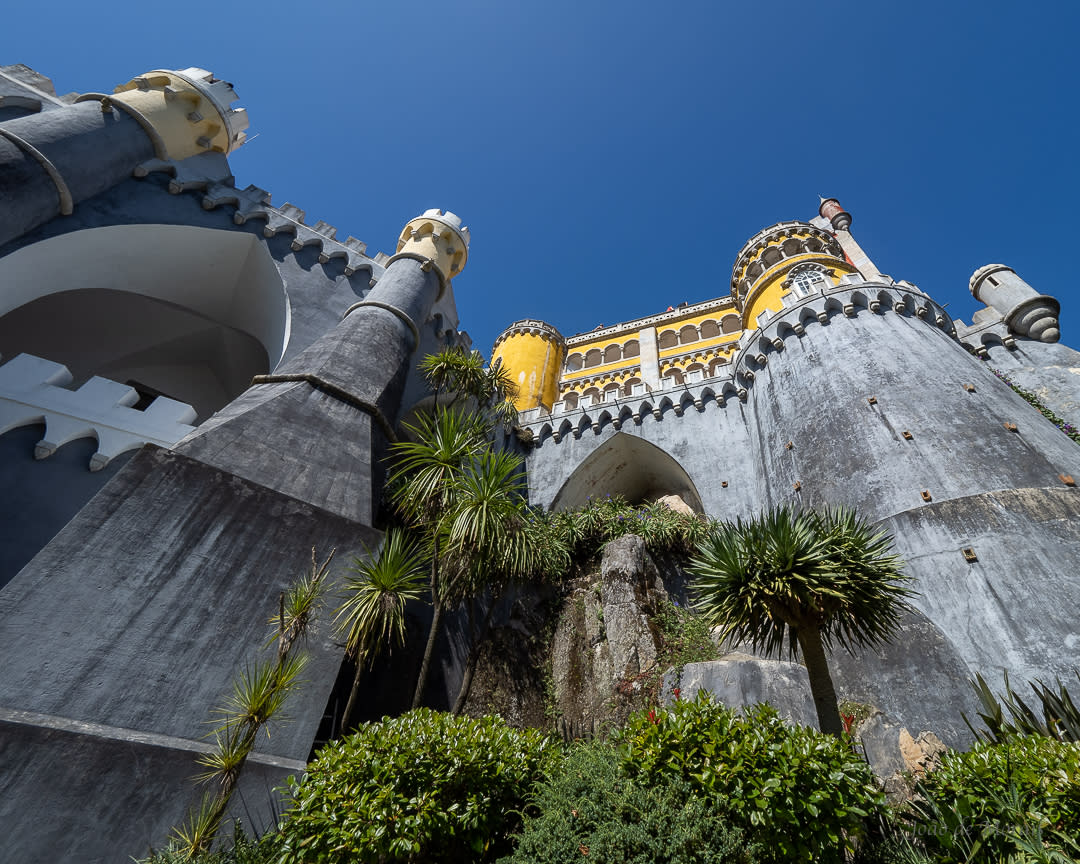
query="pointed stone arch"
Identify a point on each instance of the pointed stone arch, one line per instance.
(629, 466)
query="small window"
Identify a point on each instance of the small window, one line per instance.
(806, 281)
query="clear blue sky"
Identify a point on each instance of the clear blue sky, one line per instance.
(611, 158)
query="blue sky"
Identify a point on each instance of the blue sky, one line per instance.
(611, 158)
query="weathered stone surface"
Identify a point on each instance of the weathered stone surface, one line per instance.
(895, 757)
(739, 681)
(604, 646)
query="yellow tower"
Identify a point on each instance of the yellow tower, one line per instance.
(786, 257)
(533, 353)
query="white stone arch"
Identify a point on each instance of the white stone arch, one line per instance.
(189, 312)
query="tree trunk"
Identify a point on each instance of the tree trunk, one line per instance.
(433, 634)
(434, 631)
(350, 706)
(474, 656)
(821, 684)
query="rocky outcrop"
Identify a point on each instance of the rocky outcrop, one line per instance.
(740, 680)
(605, 647)
(897, 758)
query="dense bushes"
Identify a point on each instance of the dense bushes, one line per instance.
(805, 795)
(421, 787)
(1019, 797)
(589, 810)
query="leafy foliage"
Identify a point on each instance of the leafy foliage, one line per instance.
(765, 578)
(584, 531)
(590, 810)
(804, 795)
(424, 786)
(684, 638)
(1017, 800)
(244, 850)
(259, 694)
(1060, 717)
(377, 587)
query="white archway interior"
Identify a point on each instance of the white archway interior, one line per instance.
(190, 313)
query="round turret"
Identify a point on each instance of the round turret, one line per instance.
(437, 237)
(187, 111)
(838, 217)
(781, 258)
(533, 353)
(1024, 311)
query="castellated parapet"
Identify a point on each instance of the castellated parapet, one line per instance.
(437, 239)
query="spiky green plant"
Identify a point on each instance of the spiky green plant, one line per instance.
(259, 693)
(1060, 718)
(377, 588)
(803, 580)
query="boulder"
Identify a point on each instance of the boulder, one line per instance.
(740, 680)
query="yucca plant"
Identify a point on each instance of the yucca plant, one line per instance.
(1060, 718)
(802, 580)
(259, 693)
(372, 615)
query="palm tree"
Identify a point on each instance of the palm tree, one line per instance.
(487, 534)
(421, 486)
(447, 445)
(803, 579)
(373, 613)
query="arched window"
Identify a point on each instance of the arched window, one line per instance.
(593, 357)
(612, 354)
(574, 362)
(669, 339)
(806, 280)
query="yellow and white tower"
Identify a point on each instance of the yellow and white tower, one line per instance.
(533, 353)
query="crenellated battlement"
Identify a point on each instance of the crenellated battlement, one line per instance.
(33, 390)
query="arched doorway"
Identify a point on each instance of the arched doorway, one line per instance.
(631, 467)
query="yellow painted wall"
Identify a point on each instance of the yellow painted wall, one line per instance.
(768, 291)
(618, 369)
(534, 363)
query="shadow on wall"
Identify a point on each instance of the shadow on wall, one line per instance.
(631, 467)
(41, 497)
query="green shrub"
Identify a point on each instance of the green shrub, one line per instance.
(421, 787)
(805, 795)
(1056, 715)
(1002, 800)
(590, 811)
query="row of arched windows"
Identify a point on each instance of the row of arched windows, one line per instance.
(614, 353)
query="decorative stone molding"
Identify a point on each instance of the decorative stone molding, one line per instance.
(32, 391)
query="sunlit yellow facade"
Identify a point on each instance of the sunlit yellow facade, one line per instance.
(680, 345)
